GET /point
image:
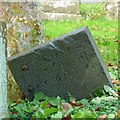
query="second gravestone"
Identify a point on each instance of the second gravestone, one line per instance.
(69, 64)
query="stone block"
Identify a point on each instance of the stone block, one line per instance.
(68, 64)
(61, 6)
(24, 30)
(60, 16)
(112, 8)
(60, 9)
(3, 71)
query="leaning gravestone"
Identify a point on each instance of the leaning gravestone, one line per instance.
(69, 64)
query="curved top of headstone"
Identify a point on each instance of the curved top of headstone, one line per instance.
(68, 64)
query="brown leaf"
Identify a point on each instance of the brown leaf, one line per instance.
(118, 113)
(103, 117)
(48, 105)
(118, 94)
(109, 65)
(115, 81)
(66, 107)
(74, 103)
(116, 41)
(67, 117)
(14, 112)
(82, 105)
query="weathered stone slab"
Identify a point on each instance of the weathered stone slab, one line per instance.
(3, 71)
(60, 9)
(61, 6)
(69, 64)
(24, 30)
(111, 7)
(60, 16)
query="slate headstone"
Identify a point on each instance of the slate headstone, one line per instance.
(69, 64)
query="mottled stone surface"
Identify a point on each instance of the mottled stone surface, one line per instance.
(69, 64)
(24, 25)
(61, 6)
(3, 71)
(61, 9)
(111, 7)
(24, 30)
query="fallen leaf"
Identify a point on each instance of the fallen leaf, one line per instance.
(109, 65)
(115, 81)
(74, 103)
(67, 117)
(48, 105)
(116, 41)
(66, 107)
(14, 112)
(118, 94)
(118, 113)
(82, 105)
(103, 117)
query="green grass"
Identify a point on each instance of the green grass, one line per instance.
(104, 32)
(91, 11)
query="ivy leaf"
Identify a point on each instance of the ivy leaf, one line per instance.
(112, 75)
(84, 101)
(89, 114)
(40, 96)
(38, 113)
(71, 97)
(44, 104)
(19, 109)
(53, 101)
(109, 90)
(96, 100)
(111, 116)
(49, 111)
(79, 115)
(57, 115)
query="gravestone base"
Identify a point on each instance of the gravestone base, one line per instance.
(61, 9)
(59, 16)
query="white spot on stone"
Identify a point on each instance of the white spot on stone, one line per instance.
(108, 7)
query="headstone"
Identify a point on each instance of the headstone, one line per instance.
(92, 1)
(69, 64)
(24, 30)
(61, 9)
(3, 71)
(24, 25)
(111, 7)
